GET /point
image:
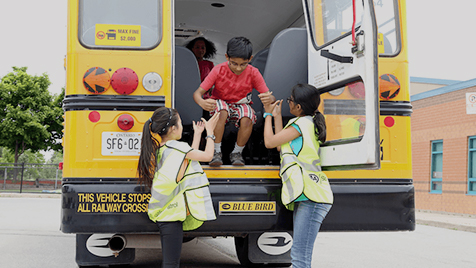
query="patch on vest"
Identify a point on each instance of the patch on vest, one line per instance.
(314, 177)
(173, 205)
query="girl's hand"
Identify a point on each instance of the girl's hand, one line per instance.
(198, 127)
(211, 123)
(277, 108)
(269, 108)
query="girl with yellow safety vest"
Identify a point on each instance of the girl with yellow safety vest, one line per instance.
(306, 189)
(180, 198)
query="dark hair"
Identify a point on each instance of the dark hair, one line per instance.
(160, 123)
(210, 47)
(309, 98)
(239, 47)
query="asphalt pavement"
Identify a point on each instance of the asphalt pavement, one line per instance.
(454, 221)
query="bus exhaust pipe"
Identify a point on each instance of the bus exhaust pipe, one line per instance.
(117, 243)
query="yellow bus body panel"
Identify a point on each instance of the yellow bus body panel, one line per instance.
(159, 59)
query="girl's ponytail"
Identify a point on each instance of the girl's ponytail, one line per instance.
(159, 124)
(309, 98)
(148, 156)
(320, 126)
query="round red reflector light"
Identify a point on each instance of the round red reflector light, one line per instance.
(124, 81)
(94, 116)
(125, 122)
(389, 121)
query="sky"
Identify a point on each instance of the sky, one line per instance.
(440, 38)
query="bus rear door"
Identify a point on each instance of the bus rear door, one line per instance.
(342, 60)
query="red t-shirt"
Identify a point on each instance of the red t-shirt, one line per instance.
(205, 68)
(234, 88)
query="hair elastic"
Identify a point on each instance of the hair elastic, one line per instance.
(168, 122)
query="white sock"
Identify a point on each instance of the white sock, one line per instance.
(238, 149)
(218, 147)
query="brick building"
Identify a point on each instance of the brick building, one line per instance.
(444, 147)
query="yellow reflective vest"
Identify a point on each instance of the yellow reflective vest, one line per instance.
(302, 173)
(170, 200)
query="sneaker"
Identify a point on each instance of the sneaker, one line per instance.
(216, 160)
(236, 159)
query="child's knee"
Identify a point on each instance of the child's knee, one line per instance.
(246, 123)
(222, 116)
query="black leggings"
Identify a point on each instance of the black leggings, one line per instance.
(171, 236)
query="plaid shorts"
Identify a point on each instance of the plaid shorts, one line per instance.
(235, 111)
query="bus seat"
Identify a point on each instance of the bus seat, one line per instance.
(286, 64)
(187, 80)
(259, 60)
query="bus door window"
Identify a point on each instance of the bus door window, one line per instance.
(388, 32)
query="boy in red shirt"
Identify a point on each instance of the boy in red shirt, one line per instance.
(234, 81)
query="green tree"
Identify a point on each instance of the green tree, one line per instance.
(31, 117)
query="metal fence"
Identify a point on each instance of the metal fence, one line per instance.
(28, 177)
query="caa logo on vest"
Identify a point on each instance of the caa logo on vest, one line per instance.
(275, 243)
(314, 177)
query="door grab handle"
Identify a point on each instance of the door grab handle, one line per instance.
(342, 59)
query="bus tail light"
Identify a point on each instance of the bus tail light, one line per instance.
(125, 122)
(124, 81)
(389, 86)
(96, 80)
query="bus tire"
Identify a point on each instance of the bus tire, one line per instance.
(242, 248)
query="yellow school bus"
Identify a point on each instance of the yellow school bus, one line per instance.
(126, 58)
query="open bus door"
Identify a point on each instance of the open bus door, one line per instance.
(343, 62)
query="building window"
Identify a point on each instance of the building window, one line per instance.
(472, 165)
(436, 167)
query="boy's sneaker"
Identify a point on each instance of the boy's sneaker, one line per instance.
(236, 159)
(216, 160)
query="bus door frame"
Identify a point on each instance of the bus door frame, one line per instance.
(358, 62)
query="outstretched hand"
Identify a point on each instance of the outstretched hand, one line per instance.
(267, 97)
(211, 123)
(198, 127)
(273, 108)
(277, 108)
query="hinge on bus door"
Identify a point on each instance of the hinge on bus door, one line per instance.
(358, 48)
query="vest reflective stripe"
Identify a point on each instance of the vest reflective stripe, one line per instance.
(181, 187)
(291, 159)
(169, 199)
(200, 197)
(302, 173)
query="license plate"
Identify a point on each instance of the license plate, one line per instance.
(248, 207)
(121, 143)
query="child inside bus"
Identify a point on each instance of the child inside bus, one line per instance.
(203, 49)
(234, 81)
(180, 196)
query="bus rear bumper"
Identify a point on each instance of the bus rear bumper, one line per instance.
(122, 208)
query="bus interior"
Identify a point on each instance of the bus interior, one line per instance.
(276, 30)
